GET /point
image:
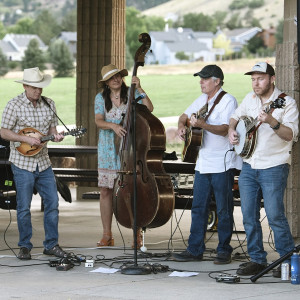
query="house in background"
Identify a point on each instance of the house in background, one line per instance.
(239, 37)
(269, 37)
(70, 39)
(14, 46)
(196, 46)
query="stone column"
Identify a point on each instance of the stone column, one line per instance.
(100, 41)
(287, 80)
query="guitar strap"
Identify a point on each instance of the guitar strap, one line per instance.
(221, 94)
(47, 103)
(282, 95)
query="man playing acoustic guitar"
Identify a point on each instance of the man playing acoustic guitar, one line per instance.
(266, 167)
(30, 110)
(214, 171)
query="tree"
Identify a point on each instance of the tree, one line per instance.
(279, 32)
(2, 30)
(46, 26)
(135, 26)
(69, 22)
(199, 22)
(3, 64)
(221, 42)
(255, 43)
(256, 3)
(238, 4)
(154, 23)
(219, 17)
(23, 26)
(26, 5)
(234, 22)
(34, 56)
(129, 59)
(181, 56)
(61, 58)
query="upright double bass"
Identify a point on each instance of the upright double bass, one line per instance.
(142, 182)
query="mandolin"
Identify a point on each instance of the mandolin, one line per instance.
(27, 150)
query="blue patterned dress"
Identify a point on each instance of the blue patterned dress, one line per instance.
(108, 160)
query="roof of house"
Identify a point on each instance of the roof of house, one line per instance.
(240, 32)
(68, 36)
(179, 35)
(6, 47)
(22, 40)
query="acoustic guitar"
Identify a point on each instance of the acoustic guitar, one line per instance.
(193, 135)
(193, 138)
(27, 150)
(247, 130)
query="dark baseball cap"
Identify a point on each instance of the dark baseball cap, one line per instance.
(211, 71)
(262, 67)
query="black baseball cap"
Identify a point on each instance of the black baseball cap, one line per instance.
(211, 71)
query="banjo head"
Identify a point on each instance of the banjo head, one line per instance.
(244, 145)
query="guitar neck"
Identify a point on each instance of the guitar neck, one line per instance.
(51, 137)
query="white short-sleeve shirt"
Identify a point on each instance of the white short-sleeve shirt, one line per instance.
(214, 155)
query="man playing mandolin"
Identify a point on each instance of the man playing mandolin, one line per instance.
(266, 167)
(215, 165)
(30, 110)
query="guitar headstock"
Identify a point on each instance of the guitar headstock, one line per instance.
(78, 132)
(278, 103)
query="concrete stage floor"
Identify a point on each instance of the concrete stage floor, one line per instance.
(80, 229)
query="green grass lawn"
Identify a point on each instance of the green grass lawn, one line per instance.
(170, 94)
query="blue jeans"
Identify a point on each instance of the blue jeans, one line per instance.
(45, 184)
(221, 184)
(270, 184)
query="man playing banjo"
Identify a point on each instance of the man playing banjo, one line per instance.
(265, 170)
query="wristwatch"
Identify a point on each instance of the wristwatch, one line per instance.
(276, 127)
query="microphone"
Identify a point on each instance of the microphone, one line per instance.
(141, 96)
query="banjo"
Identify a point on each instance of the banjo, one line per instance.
(247, 129)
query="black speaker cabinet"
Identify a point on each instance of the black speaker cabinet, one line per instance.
(7, 186)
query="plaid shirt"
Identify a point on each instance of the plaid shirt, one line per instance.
(20, 113)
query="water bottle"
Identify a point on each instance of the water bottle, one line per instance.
(295, 268)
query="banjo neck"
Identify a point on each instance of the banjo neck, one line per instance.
(255, 121)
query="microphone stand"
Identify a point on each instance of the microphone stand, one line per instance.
(135, 269)
(275, 263)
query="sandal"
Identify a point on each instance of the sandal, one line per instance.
(107, 240)
(139, 240)
(56, 251)
(24, 254)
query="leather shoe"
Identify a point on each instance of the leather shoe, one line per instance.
(24, 254)
(222, 258)
(250, 268)
(56, 251)
(186, 256)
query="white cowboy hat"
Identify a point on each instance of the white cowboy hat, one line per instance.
(34, 77)
(109, 71)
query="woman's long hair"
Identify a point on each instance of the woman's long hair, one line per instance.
(106, 95)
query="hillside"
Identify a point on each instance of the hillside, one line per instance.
(269, 14)
(16, 10)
